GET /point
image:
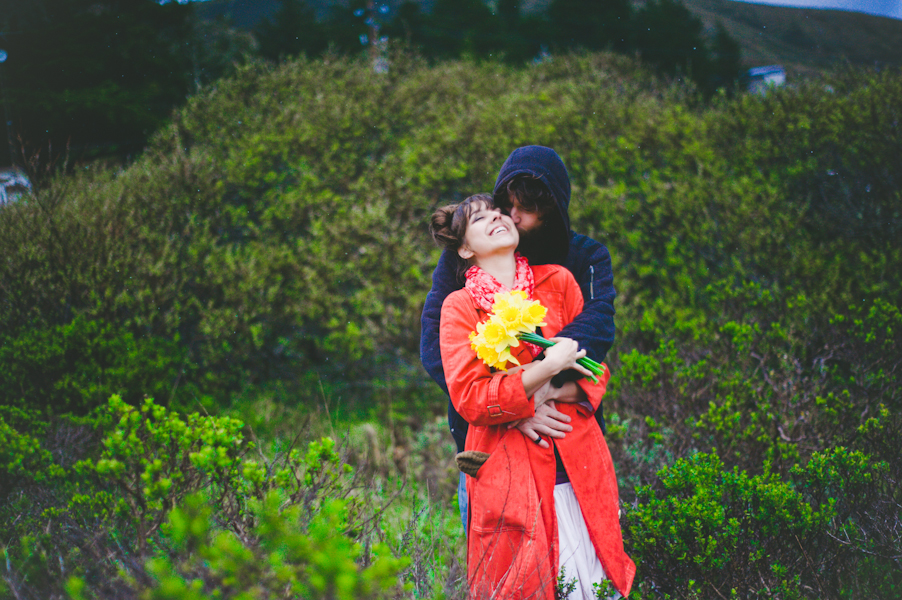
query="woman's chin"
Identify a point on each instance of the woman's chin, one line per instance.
(509, 241)
(497, 252)
(508, 248)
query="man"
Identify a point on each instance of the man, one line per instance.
(533, 186)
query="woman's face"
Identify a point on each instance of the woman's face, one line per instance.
(489, 231)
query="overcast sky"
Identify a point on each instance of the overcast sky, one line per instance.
(884, 8)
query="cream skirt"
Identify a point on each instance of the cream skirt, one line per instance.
(577, 555)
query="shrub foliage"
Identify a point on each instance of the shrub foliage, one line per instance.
(273, 237)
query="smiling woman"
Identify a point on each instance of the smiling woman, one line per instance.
(490, 233)
(540, 511)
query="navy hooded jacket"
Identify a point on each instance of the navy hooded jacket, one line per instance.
(588, 261)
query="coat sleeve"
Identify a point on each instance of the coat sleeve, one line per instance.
(479, 395)
(444, 281)
(590, 263)
(575, 307)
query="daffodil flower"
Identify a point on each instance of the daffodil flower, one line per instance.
(514, 317)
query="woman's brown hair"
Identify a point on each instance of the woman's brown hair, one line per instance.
(448, 226)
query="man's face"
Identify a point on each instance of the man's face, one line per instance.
(527, 220)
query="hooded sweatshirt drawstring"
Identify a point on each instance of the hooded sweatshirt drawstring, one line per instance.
(592, 282)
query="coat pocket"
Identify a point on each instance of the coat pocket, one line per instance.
(508, 555)
(503, 495)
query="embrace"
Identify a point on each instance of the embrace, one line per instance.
(539, 498)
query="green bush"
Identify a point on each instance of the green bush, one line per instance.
(73, 368)
(152, 458)
(22, 459)
(277, 557)
(169, 502)
(277, 226)
(706, 531)
(862, 549)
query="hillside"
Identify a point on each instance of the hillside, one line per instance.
(260, 270)
(804, 41)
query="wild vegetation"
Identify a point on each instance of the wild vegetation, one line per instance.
(97, 78)
(260, 269)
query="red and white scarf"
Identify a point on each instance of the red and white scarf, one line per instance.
(482, 288)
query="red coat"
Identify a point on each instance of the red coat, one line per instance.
(512, 540)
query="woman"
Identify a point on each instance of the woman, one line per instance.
(536, 509)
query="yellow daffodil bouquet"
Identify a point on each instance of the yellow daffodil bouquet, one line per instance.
(514, 318)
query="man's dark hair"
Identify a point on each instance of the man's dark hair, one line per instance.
(532, 194)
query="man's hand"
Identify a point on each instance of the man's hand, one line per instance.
(547, 422)
(569, 393)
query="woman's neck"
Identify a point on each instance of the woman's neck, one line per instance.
(502, 267)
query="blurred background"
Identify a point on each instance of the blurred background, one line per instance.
(95, 78)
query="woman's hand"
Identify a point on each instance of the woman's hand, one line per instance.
(564, 354)
(560, 357)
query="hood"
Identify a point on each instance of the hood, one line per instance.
(544, 164)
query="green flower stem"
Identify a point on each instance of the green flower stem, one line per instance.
(534, 338)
